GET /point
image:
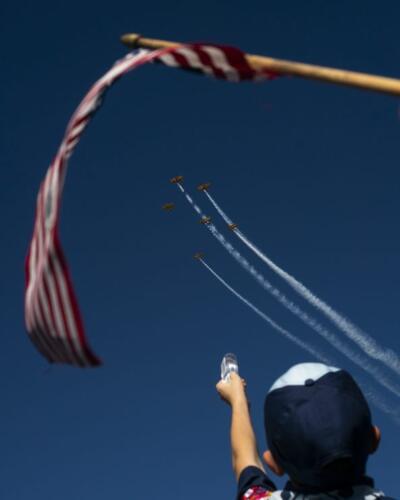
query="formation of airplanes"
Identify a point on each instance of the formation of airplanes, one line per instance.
(178, 179)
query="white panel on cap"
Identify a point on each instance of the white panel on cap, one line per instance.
(298, 374)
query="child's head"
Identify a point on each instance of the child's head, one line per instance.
(318, 427)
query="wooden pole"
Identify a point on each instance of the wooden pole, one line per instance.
(292, 68)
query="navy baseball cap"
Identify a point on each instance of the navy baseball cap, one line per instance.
(318, 426)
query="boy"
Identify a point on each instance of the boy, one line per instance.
(319, 431)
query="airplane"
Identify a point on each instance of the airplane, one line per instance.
(203, 187)
(205, 220)
(168, 206)
(198, 255)
(176, 180)
(232, 227)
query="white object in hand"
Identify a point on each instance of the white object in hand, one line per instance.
(229, 364)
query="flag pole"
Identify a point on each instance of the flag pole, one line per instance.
(321, 73)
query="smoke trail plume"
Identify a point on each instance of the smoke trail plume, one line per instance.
(360, 360)
(352, 331)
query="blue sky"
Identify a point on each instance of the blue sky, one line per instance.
(309, 171)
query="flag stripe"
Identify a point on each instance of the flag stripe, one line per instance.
(192, 60)
(207, 61)
(220, 62)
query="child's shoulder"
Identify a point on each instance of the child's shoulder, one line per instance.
(359, 493)
(254, 484)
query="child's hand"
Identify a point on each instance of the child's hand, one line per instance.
(232, 391)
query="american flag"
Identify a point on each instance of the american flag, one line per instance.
(52, 316)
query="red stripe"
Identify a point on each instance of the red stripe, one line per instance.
(237, 59)
(78, 121)
(207, 61)
(72, 136)
(181, 60)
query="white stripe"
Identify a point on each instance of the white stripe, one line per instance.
(120, 67)
(70, 146)
(85, 108)
(51, 188)
(35, 253)
(32, 267)
(168, 60)
(77, 129)
(194, 61)
(220, 61)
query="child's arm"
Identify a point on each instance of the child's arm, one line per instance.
(243, 440)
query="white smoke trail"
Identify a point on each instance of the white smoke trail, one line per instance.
(190, 200)
(359, 360)
(367, 343)
(369, 393)
(310, 349)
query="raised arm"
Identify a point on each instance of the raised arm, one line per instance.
(243, 440)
